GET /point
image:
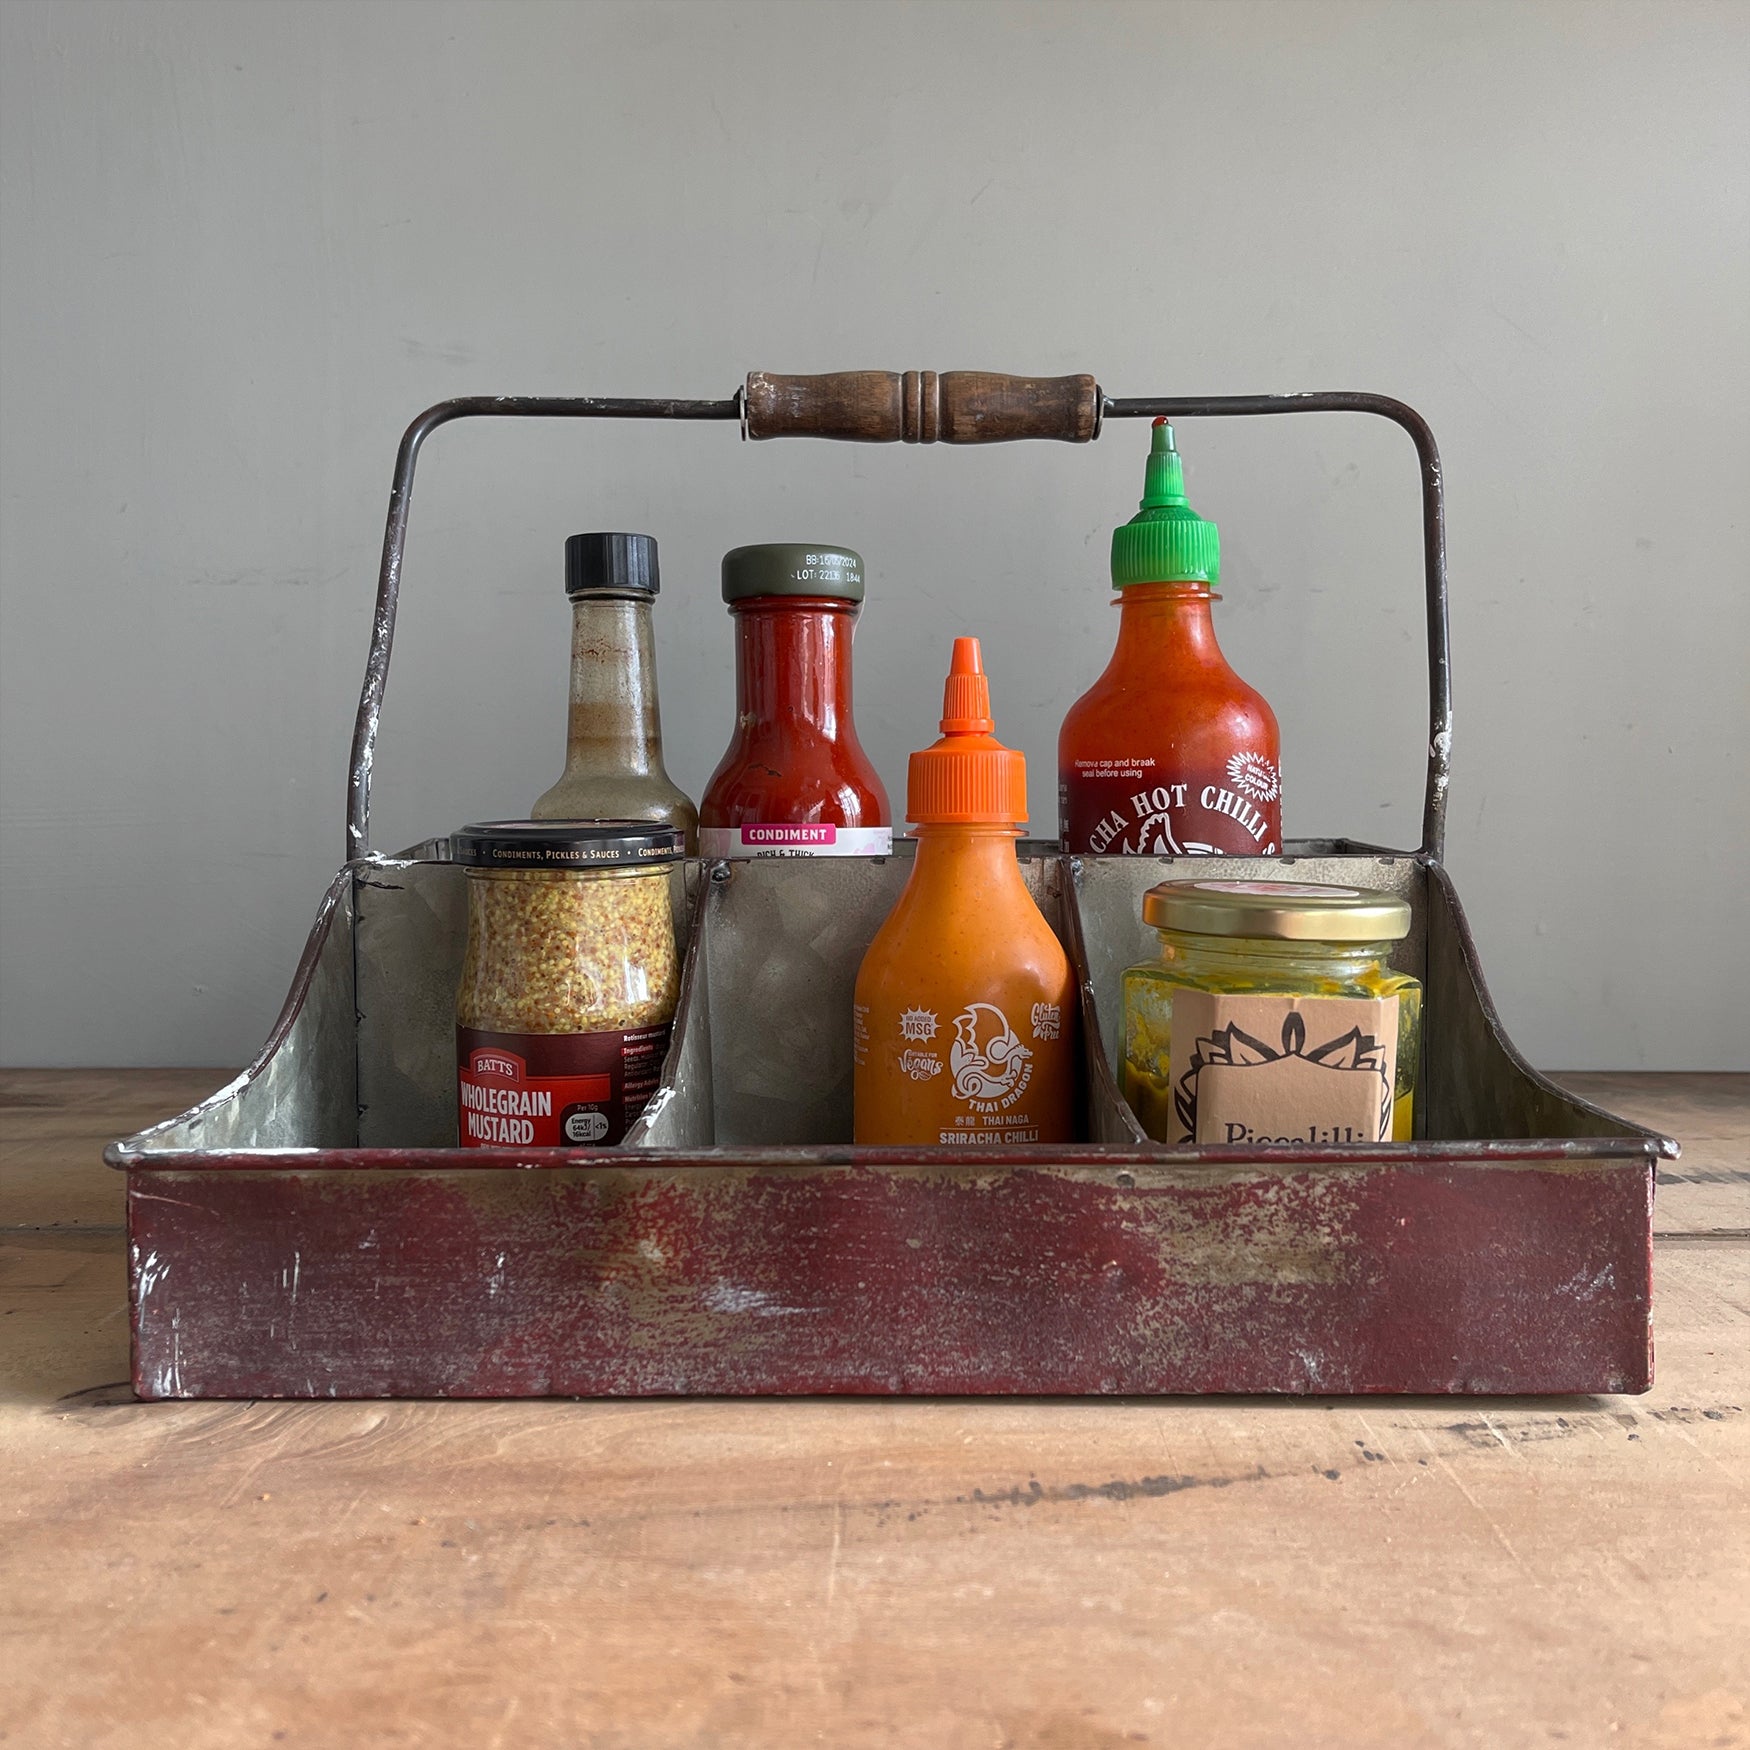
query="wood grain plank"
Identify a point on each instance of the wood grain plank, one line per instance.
(1042, 1575)
(728, 1573)
(53, 1127)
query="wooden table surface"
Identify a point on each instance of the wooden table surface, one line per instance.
(1057, 1574)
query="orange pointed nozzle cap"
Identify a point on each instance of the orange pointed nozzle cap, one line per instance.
(966, 696)
(968, 778)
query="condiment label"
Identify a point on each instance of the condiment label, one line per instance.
(1255, 1069)
(554, 1090)
(812, 838)
(1136, 807)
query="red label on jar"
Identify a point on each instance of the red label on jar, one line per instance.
(1118, 807)
(554, 1090)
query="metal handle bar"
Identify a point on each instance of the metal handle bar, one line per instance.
(364, 735)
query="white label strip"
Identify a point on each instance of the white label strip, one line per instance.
(795, 839)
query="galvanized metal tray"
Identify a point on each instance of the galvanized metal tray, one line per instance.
(312, 1230)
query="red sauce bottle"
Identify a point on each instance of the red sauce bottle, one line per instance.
(1169, 752)
(795, 781)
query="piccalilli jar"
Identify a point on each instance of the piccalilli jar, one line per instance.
(569, 979)
(1272, 1016)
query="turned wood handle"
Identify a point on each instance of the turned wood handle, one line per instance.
(920, 407)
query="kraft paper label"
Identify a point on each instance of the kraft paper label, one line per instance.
(1254, 1069)
(554, 1090)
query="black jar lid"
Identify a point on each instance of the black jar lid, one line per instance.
(566, 844)
(792, 568)
(605, 563)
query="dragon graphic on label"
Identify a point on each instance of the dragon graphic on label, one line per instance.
(987, 1057)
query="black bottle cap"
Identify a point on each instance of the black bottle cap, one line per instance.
(565, 844)
(610, 562)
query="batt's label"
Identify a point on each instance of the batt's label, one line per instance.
(811, 838)
(554, 1090)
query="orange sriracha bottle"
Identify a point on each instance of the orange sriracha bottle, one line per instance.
(965, 1021)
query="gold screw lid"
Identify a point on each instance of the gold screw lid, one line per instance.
(1284, 911)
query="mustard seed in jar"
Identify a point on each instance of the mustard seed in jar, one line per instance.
(569, 979)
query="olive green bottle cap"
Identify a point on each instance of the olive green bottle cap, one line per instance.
(792, 568)
(1166, 541)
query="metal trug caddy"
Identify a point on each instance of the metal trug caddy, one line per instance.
(311, 1230)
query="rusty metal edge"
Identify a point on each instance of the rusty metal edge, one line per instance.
(1575, 1153)
(133, 1153)
(165, 1346)
(712, 876)
(125, 1151)
(1102, 1085)
(1658, 1146)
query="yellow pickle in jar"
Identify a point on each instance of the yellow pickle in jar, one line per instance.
(1272, 1016)
(569, 979)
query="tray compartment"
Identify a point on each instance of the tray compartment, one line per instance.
(780, 940)
(1105, 895)
(411, 931)
(278, 1247)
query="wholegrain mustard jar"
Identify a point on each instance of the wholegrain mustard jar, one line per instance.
(1271, 1016)
(569, 979)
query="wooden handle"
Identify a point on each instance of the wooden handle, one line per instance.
(919, 407)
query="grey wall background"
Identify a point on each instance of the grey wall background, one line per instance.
(244, 243)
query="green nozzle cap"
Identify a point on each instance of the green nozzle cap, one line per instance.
(1166, 541)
